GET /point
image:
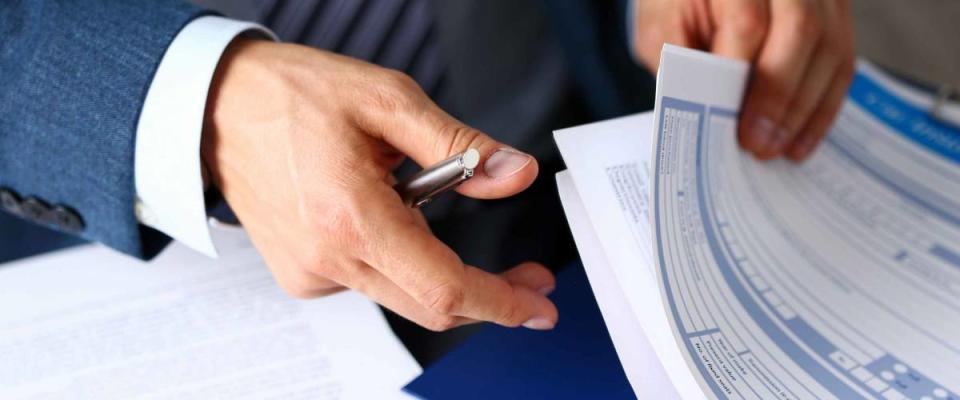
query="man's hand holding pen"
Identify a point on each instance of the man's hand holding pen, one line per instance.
(308, 173)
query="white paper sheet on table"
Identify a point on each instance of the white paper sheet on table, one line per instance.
(89, 323)
(837, 278)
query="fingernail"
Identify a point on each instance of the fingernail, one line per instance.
(539, 324)
(762, 131)
(505, 162)
(779, 141)
(546, 290)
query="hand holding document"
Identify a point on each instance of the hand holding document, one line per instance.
(836, 278)
(89, 323)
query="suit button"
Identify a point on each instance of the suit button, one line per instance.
(10, 201)
(66, 219)
(35, 210)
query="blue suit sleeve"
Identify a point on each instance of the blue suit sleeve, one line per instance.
(73, 76)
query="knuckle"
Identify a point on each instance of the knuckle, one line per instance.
(297, 289)
(401, 81)
(309, 259)
(386, 99)
(320, 266)
(806, 20)
(511, 316)
(750, 23)
(441, 323)
(455, 137)
(393, 92)
(338, 223)
(445, 299)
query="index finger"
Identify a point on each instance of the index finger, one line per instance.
(777, 75)
(434, 275)
(741, 26)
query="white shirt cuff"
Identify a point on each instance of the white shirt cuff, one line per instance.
(167, 177)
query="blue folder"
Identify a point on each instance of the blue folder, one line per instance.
(576, 360)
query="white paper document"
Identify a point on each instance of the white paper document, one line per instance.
(89, 323)
(646, 374)
(838, 278)
(607, 179)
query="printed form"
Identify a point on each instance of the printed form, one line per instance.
(838, 278)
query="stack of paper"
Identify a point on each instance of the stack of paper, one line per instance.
(723, 277)
(89, 323)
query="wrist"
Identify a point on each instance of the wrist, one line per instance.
(217, 112)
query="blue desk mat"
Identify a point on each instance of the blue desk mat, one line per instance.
(576, 360)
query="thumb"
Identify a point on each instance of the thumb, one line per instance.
(430, 135)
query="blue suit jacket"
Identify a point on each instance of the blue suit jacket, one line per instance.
(73, 76)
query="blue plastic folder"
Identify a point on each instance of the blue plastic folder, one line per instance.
(576, 360)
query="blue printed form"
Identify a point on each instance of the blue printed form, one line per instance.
(835, 279)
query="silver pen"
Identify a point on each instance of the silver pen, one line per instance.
(423, 186)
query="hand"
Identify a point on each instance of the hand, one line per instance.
(302, 142)
(802, 54)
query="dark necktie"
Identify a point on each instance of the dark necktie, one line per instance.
(397, 34)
